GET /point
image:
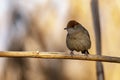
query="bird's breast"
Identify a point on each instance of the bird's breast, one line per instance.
(78, 42)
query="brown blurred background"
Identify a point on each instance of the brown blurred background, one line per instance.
(27, 25)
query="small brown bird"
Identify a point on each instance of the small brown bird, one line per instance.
(78, 38)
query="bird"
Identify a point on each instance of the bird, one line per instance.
(77, 38)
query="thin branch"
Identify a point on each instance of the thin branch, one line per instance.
(58, 55)
(97, 28)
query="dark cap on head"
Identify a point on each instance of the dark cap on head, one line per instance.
(72, 23)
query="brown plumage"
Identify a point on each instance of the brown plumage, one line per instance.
(78, 38)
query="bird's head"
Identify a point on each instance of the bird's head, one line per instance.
(72, 26)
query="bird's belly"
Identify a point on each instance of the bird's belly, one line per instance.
(78, 44)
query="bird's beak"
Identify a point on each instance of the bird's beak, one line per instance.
(65, 28)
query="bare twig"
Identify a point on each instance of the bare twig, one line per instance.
(58, 55)
(96, 20)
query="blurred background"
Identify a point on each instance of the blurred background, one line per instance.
(30, 25)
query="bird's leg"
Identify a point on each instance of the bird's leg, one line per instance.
(71, 53)
(85, 52)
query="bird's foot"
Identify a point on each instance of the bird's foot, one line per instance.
(71, 53)
(85, 52)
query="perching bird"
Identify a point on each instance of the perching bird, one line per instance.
(78, 38)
